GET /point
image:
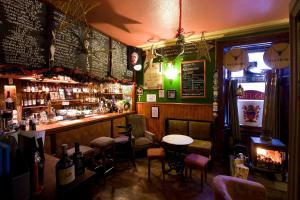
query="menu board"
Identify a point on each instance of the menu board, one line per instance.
(68, 42)
(119, 61)
(23, 33)
(153, 77)
(77, 46)
(193, 79)
(99, 54)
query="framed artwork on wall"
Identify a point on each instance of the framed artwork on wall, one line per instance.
(154, 112)
(171, 94)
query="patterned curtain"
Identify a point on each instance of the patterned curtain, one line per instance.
(233, 111)
(271, 117)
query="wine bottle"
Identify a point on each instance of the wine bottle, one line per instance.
(65, 170)
(78, 161)
(9, 102)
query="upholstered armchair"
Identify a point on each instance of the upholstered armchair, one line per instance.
(233, 188)
(141, 137)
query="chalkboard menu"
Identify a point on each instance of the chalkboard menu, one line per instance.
(193, 79)
(99, 54)
(173, 51)
(68, 42)
(80, 47)
(23, 33)
(119, 61)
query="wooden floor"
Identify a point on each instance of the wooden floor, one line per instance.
(131, 183)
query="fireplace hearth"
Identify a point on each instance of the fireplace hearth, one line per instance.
(269, 156)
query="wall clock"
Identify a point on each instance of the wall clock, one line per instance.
(236, 59)
(277, 56)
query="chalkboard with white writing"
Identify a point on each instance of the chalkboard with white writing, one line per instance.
(79, 47)
(193, 79)
(23, 33)
(119, 62)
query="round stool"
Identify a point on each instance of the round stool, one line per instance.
(196, 161)
(102, 146)
(87, 152)
(156, 153)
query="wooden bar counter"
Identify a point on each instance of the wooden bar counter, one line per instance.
(80, 130)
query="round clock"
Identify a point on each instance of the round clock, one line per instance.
(277, 56)
(236, 59)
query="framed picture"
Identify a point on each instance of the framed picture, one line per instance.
(154, 112)
(171, 94)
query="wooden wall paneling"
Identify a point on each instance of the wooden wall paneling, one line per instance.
(83, 134)
(117, 122)
(47, 144)
(173, 110)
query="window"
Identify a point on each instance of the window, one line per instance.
(251, 103)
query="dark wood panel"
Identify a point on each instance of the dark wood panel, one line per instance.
(173, 110)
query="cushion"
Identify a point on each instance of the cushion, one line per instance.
(195, 161)
(155, 153)
(199, 130)
(138, 123)
(142, 143)
(102, 142)
(177, 127)
(84, 149)
(201, 146)
(121, 139)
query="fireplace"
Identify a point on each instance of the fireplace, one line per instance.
(268, 156)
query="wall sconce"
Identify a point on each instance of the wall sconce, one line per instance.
(171, 72)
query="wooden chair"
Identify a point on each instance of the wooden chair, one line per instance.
(156, 153)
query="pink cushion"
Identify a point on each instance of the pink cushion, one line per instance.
(195, 161)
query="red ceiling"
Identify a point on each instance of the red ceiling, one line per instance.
(133, 22)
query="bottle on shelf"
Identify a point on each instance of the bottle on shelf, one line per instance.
(29, 100)
(28, 87)
(65, 169)
(78, 161)
(9, 102)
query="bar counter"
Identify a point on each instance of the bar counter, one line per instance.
(80, 130)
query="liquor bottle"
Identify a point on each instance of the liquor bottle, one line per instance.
(29, 100)
(42, 99)
(33, 99)
(9, 102)
(25, 101)
(65, 170)
(78, 161)
(38, 99)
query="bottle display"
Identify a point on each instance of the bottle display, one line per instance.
(78, 161)
(65, 169)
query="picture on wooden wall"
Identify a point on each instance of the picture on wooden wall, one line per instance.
(193, 79)
(154, 112)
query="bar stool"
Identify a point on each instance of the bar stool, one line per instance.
(196, 161)
(88, 154)
(105, 149)
(156, 153)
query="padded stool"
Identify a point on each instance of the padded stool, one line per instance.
(156, 153)
(196, 161)
(101, 146)
(87, 152)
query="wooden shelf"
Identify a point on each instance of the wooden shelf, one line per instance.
(24, 107)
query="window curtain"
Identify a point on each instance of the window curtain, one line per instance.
(233, 111)
(271, 117)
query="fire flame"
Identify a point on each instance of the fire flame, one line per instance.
(269, 155)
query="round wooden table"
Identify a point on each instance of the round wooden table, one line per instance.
(176, 146)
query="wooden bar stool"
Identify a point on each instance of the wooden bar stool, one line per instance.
(196, 161)
(156, 153)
